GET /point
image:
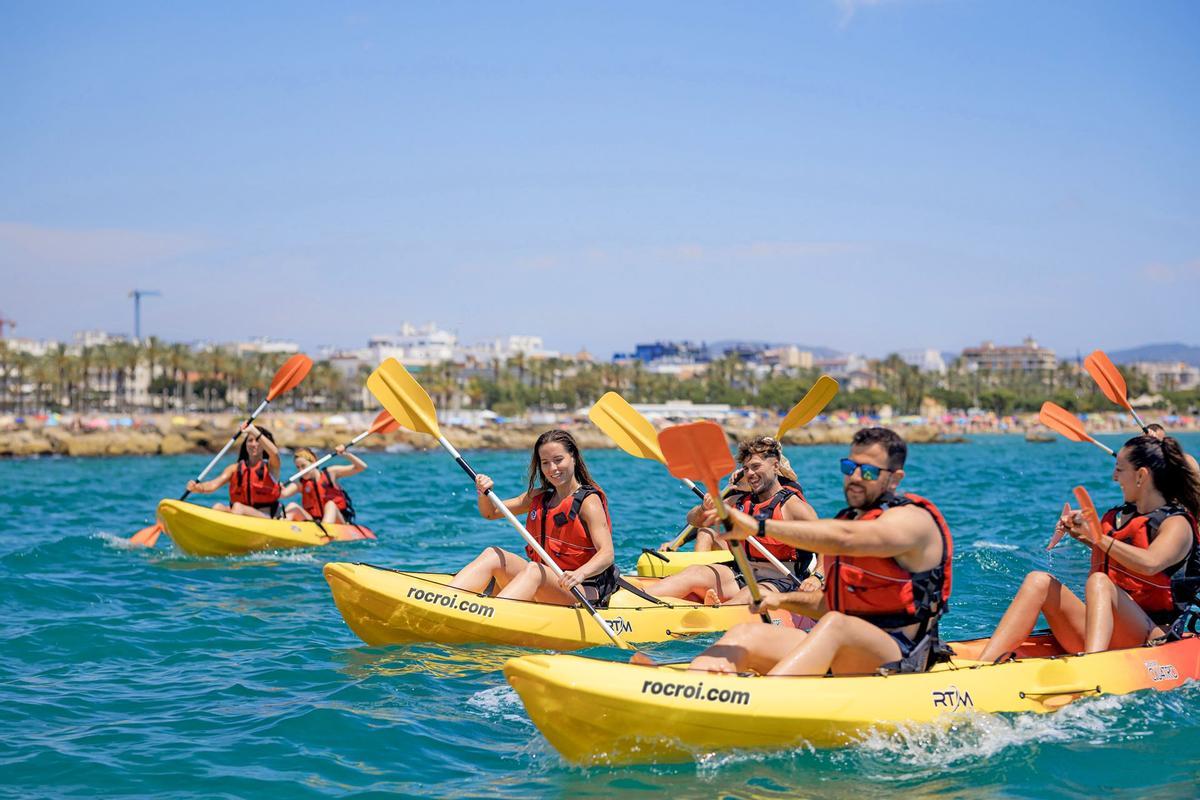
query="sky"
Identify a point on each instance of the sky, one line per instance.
(860, 174)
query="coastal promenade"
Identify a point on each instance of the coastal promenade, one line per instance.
(171, 434)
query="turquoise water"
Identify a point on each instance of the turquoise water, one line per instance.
(130, 673)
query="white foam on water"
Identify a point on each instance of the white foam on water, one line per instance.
(499, 702)
(1005, 546)
(969, 738)
(116, 541)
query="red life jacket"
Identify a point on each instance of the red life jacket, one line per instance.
(1151, 592)
(881, 591)
(560, 530)
(320, 490)
(253, 486)
(772, 508)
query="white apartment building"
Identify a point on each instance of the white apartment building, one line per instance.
(1170, 376)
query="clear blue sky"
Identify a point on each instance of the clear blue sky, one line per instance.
(864, 175)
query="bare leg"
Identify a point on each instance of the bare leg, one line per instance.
(1040, 593)
(333, 515)
(1113, 618)
(221, 507)
(248, 511)
(748, 646)
(848, 644)
(698, 579)
(296, 512)
(492, 564)
(706, 540)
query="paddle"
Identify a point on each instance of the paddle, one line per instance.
(1059, 533)
(411, 406)
(1111, 382)
(1058, 419)
(698, 450)
(382, 424)
(287, 378)
(1089, 513)
(634, 434)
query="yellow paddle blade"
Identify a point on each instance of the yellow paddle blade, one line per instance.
(810, 405)
(1106, 375)
(403, 397)
(632, 432)
(1089, 513)
(698, 451)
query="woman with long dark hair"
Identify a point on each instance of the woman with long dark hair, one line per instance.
(253, 479)
(567, 513)
(1137, 585)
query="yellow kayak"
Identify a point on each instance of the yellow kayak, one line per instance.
(386, 606)
(596, 711)
(203, 531)
(659, 564)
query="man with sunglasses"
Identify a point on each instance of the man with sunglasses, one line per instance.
(887, 562)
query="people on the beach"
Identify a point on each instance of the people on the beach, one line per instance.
(253, 479)
(567, 513)
(761, 490)
(887, 560)
(322, 495)
(1145, 543)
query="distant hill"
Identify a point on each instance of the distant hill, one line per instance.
(1166, 351)
(720, 348)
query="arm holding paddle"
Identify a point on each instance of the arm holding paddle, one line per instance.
(210, 486)
(885, 539)
(488, 510)
(355, 466)
(1169, 547)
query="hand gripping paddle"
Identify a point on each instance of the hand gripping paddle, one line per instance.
(699, 451)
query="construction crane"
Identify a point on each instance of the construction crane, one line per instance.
(137, 295)
(5, 321)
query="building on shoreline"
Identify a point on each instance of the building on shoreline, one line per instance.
(1028, 358)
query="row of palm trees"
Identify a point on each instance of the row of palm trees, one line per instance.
(156, 376)
(127, 377)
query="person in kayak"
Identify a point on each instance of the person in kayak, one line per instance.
(765, 492)
(253, 479)
(1150, 545)
(321, 493)
(567, 512)
(887, 560)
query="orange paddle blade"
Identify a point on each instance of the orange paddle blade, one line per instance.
(1058, 419)
(698, 451)
(384, 423)
(147, 536)
(1089, 513)
(1106, 375)
(1059, 532)
(289, 375)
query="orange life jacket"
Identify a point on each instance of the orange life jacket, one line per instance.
(561, 531)
(1151, 592)
(319, 490)
(881, 591)
(253, 486)
(772, 508)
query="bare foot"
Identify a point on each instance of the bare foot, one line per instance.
(711, 598)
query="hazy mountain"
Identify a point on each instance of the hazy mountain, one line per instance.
(1163, 351)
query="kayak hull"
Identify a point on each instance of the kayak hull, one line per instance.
(595, 711)
(384, 606)
(654, 566)
(202, 531)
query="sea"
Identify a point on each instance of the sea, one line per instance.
(132, 673)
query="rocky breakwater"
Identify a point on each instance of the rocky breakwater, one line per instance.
(164, 436)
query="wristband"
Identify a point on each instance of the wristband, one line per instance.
(762, 526)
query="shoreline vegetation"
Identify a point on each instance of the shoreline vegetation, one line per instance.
(167, 434)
